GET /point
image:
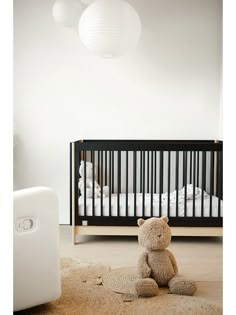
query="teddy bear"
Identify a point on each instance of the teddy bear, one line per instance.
(157, 265)
(89, 182)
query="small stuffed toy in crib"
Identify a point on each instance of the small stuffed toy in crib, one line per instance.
(89, 182)
(157, 265)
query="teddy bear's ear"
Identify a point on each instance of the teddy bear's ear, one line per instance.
(165, 219)
(140, 221)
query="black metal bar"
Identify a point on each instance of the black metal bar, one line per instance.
(198, 169)
(148, 172)
(185, 181)
(155, 172)
(221, 175)
(177, 181)
(161, 161)
(93, 185)
(194, 181)
(152, 184)
(203, 181)
(141, 171)
(110, 175)
(127, 182)
(132, 221)
(149, 145)
(212, 177)
(113, 173)
(71, 185)
(204, 170)
(77, 162)
(134, 180)
(85, 181)
(99, 167)
(120, 170)
(168, 188)
(105, 168)
(101, 184)
(118, 181)
(143, 191)
(219, 179)
(190, 168)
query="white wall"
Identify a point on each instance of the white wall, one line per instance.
(169, 88)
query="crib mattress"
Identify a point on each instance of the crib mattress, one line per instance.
(147, 208)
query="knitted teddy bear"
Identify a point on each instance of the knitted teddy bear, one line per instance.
(89, 182)
(157, 265)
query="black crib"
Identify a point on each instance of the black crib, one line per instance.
(135, 169)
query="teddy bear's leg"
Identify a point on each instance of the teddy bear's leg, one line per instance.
(182, 286)
(147, 287)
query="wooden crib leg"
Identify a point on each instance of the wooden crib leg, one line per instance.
(74, 241)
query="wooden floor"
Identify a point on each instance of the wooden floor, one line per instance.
(198, 258)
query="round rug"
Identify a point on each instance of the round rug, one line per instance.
(84, 294)
(121, 280)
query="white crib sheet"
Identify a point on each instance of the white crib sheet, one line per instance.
(147, 210)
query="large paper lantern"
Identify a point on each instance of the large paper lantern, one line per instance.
(67, 12)
(109, 28)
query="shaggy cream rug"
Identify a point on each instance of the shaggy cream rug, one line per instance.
(89, 289)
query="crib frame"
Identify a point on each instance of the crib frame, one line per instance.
(120, 225)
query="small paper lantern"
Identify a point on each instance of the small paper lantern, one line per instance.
(67, 12)
(109, 28)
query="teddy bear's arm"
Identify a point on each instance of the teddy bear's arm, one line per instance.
(173, 261)
(144, 270)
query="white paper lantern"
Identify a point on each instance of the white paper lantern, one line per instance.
(110, 28)
(67, 12)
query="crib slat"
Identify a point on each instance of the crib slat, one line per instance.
(105, 168)
(185, 166)
(120, 178)
(141, 171)
(93, 185)
(101, 183)
(203, 181)
(113, 171)
(152, 184)
(127, 182)
(72, 184)
(76, 183)
(204, 169)
(143, 208)
(190, 168)
(161, 182)
(147, 171)
(168, 196)
(85, 208)
(118, 181)
(194, 181)
(211, 181)
(98, 167)
(155, 172)
(221, 174)
(219, 180)
(177, 181)
(134, 180)
(110, 175)
(198, 168)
